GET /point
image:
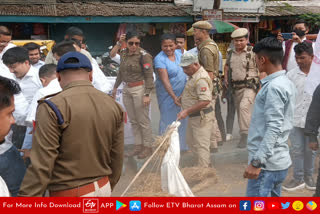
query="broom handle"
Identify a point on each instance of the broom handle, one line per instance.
(146, 163)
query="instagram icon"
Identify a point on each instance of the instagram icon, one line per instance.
(258, 206)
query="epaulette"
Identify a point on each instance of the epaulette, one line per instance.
(143, 52)
(46, 97)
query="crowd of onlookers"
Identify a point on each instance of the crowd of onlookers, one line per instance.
(264, 85)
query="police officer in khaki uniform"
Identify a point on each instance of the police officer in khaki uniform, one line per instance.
(77, 148)
(209, 59)
(244, 80)
(196, 103)
(136, 72)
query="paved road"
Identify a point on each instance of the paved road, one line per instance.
(230, 163)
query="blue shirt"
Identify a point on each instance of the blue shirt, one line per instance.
(271, 122)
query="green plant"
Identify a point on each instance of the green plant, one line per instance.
(313, 19)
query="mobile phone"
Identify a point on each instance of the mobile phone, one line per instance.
(287, 35)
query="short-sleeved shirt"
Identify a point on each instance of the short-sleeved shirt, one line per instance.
(134, 69)
(176, 75)
(238, 65)
(198, 88)
(209, 56)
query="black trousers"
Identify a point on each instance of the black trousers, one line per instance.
(230, 114)
(220, 119)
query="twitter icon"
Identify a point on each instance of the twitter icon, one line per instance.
(285, 206)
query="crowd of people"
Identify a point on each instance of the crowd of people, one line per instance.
(61, 132)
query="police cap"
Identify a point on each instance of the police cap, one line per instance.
(202, 25)
(78, 61)
(240, 32)
(187, 59)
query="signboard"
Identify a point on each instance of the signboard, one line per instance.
(243, 6)
(254, 19)
(199, 5)
(212, 14)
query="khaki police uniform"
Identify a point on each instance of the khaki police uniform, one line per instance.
(209, 59)
(244, 70)
(199, 88)
(136, 72)
(209, 56)
(85, 150)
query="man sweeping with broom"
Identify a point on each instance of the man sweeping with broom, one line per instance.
(196, 103)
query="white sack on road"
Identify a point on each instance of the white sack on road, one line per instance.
(172, 181)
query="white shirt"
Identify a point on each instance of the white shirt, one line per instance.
(303, 99)
(4, 192)
(20, 103)
(193, 51)
(116, 58)
(292, 63)
(10, 45)
(39, 64)
(99, 80)
(30, 83)
(52, 88)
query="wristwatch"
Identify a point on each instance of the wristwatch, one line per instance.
(146, 95)
(118, 43)
(257, 163)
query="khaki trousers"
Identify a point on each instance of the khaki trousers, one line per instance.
(198, 137)
(138, 115)
(215, 132)
(243, 101)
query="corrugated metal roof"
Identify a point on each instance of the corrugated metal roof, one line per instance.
(95, 9)
(280, 11)
(28, 10)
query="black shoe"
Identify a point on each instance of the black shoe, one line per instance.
(243, 141)
(310, 184)
(293, 185)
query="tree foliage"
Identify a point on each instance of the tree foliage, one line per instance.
(313, 19)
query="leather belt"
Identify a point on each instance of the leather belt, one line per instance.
(80, 191)
(205, 111)
(134, 84)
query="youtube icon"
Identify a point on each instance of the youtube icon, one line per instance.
(273, 205)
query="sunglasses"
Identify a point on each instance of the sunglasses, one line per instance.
(135, 43)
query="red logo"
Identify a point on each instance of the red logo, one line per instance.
(273, 206)
(90, 205)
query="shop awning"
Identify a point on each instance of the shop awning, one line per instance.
(95, 12)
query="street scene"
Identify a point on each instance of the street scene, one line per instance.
(154, 98)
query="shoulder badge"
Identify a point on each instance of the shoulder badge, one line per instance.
(203, 89)
(146, 66)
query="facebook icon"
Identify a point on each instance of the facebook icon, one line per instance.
(245, 205)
